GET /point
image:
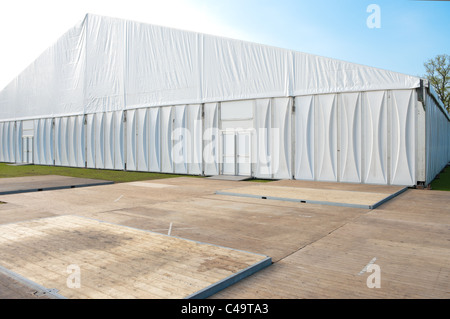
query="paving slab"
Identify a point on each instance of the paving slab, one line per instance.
(358, 187)
(335, 197)
(230, 178)
(27, 184)
(13, 287)
(193, 209)
(407, 239)
(318, 251)
(113, 261)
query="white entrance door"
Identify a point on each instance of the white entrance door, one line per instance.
(236, 153)
(27, 149)
(243, 154)
(228, 153)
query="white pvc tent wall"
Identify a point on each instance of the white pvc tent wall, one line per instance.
(11, 141)
(357, 137)
(115, 94)
(364, 137)
(437, 138)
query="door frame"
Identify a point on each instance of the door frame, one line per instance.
(236, 155)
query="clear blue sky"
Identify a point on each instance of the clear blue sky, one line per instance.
(411, 32)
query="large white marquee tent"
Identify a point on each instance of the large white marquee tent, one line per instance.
(116, 94)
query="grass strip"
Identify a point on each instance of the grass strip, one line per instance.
(108, 175)
(442, 181)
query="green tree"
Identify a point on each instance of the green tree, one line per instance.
(438, 73)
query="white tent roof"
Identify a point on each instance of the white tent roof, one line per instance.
(108, 64)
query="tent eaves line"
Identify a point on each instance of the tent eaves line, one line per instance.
(149, 105)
